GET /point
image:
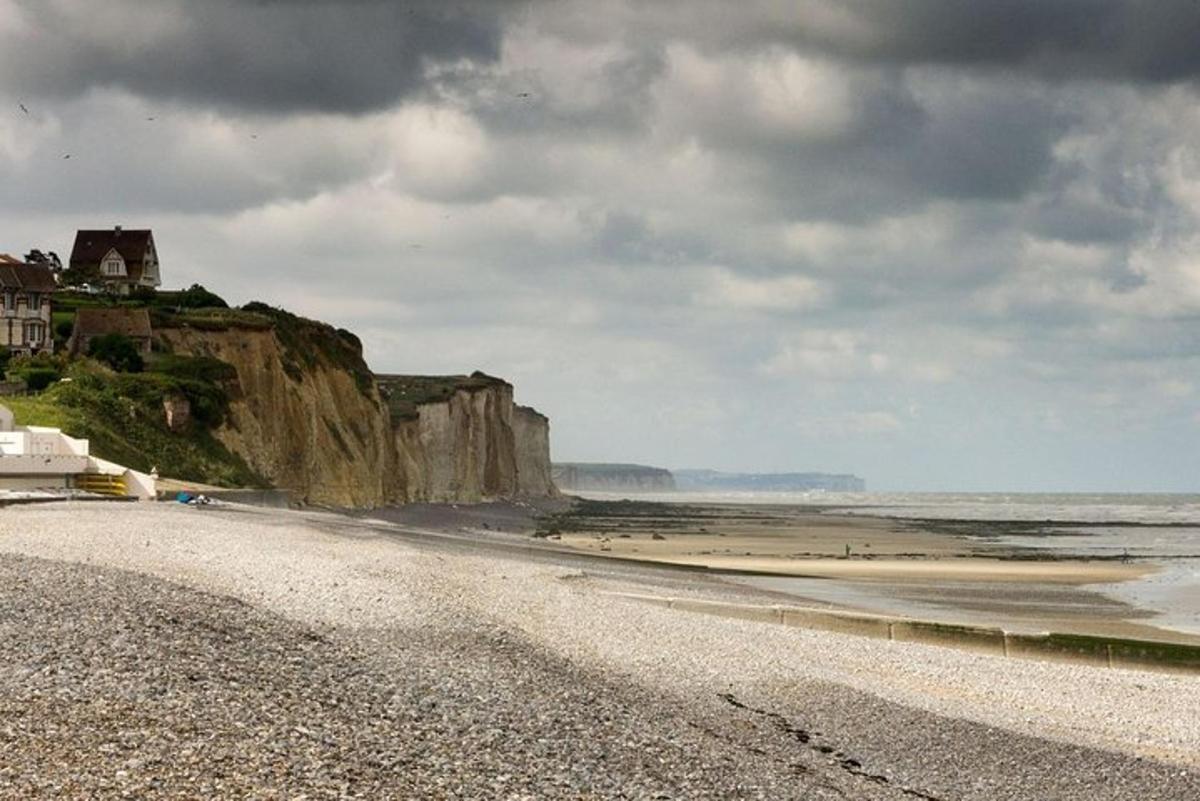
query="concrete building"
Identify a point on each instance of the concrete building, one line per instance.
(40, 458)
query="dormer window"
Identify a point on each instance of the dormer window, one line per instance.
(113, 267)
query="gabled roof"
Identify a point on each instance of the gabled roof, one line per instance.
(98, 322)
(93, 245)
(20, 277)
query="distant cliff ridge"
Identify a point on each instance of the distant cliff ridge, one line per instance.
(615, 477)
(715, 481)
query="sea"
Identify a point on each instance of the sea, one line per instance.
(1160, 528)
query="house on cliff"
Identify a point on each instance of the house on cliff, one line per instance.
(97, 322)
(25, 292)
(120, 260)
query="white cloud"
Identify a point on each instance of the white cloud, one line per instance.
(870, 423)
(776, 94)
(435, 152)
(723, 288)
(824, 354)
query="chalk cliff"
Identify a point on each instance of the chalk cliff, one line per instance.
(531, 431)
(307, 415)
(612, 477)
(461, 438)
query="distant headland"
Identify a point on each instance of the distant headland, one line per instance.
(602, 476)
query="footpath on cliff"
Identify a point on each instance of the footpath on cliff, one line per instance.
(155, 650)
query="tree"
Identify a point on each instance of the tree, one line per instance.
(49, 258)
(117, 351)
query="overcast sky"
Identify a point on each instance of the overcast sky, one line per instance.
(939, 244)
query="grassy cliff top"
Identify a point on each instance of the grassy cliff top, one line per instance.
(405, 393)
(305, 343)
(121, 415)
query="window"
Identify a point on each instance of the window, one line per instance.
(10, 301)
(34, 333)
(34, 302)
(113, 267)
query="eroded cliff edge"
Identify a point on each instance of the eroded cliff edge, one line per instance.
(306, 414)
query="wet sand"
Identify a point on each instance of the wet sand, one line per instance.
(950, 573)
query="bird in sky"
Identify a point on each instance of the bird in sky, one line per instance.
(22, 105)
(524, 94)
(149, 119)
(66, 155)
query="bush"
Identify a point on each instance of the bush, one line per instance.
(38, 372)
(37, 378)
(194, 368)
(197, 297)
(351, 339)
(117, 351)
(142, 295)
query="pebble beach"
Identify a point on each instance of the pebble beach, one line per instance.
(162, 651)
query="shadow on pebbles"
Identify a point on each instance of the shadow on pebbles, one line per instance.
(116, 685)
(113, 684)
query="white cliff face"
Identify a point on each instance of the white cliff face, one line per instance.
(474, 446)
(531, 430)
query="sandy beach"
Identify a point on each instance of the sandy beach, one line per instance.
(159, 649)
(955, 573)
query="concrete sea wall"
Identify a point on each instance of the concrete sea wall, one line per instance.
(1077, 648)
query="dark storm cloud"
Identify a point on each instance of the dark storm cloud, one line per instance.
(1136, 40)
(992, 141)
(264, 55)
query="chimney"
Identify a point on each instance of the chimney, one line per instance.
(117, 230)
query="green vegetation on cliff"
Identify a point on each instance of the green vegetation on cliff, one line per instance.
(306, 343)
(122, 416)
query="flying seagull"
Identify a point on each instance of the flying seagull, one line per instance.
(66, 155)
(523, 94)
(149, 119)
(22, 105)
